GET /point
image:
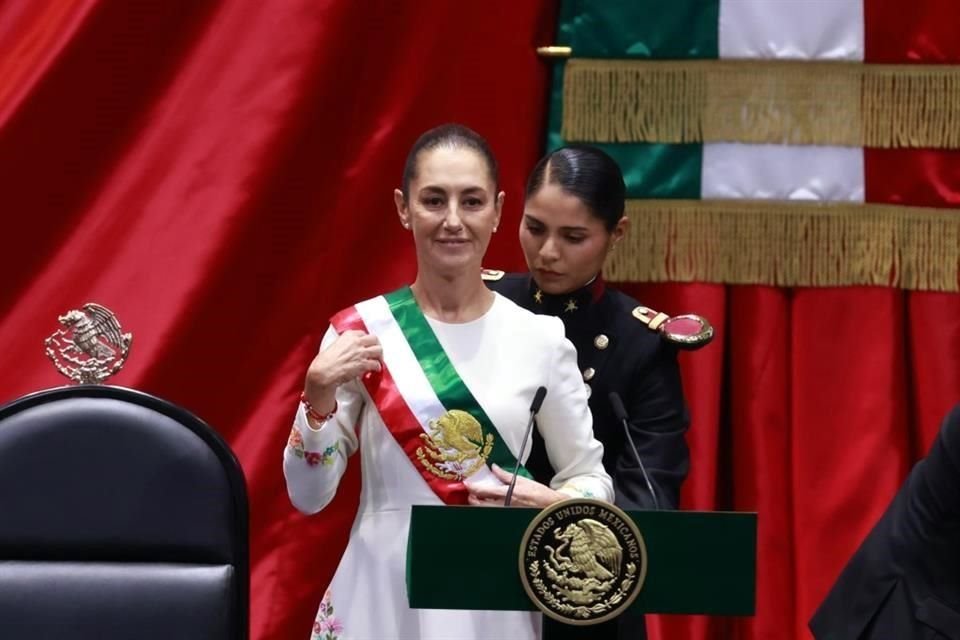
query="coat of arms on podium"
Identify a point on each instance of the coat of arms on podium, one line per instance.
(582, 561)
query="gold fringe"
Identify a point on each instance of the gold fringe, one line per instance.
(761, 101)
(789, 244)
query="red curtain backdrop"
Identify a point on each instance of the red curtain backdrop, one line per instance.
(220, 174)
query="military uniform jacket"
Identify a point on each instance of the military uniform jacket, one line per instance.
(617, 352)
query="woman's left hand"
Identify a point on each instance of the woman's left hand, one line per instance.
(526, 493)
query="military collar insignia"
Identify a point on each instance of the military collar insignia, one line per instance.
(568, 304)
(596, 287)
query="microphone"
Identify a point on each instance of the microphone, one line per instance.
(538, 397)
(621, 414)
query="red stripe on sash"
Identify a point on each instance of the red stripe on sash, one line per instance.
(397, 416)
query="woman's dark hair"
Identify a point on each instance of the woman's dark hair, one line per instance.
(587, 173)
(453, 136)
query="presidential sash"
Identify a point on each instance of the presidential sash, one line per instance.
(423, 401)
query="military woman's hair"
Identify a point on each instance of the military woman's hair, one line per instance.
(587, 173)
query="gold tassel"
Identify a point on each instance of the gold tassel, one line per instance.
(761, 101)
(789, 244)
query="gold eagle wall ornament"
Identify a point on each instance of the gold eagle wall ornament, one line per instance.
(89, 347)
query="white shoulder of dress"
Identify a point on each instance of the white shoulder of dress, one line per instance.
(542, 328)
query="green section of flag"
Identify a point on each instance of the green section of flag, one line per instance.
(659, 170)
(555, 116)
(640, 28)
(667, 171)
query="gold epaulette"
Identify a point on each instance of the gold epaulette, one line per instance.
(653, 319)
(687, 331)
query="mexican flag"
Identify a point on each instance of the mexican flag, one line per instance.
(778, 142)
(792, 143)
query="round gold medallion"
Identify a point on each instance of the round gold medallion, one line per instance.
(582, 561)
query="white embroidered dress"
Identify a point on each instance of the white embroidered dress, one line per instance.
(502, 358)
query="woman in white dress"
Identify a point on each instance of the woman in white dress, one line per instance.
(436, 381)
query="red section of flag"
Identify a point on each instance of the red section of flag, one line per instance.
(922, 31)
(916, 177)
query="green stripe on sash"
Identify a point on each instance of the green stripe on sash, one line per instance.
(443, 377)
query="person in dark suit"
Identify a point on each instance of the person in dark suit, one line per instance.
(904, 579)
(573, 218)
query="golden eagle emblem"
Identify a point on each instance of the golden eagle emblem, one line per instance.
(582, 561)
(586, 562)
(456, 447)
(89, 347)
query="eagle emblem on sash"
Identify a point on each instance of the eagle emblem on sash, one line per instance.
(456, 447)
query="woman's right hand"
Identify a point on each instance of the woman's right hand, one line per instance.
(351, 355)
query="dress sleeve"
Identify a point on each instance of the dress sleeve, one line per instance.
(314, 459)
(566, 426)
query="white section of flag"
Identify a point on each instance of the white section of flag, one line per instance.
(782, 172)
(787, 29)
(795, 29)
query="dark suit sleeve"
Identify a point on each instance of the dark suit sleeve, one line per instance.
(658, 423)
(934, 498)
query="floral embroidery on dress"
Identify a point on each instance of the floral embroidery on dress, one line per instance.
(326, 626)
(295, 440)
(312, 458)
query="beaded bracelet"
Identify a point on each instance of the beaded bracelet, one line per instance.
(313, 413)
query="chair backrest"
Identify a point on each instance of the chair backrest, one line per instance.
(121, 516)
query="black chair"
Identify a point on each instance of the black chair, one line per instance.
(121, 516)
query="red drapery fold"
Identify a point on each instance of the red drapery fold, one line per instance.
(221, 174)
